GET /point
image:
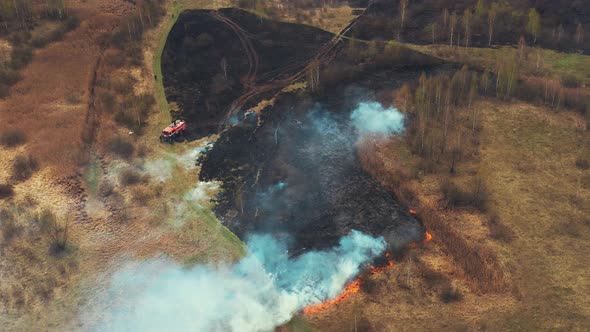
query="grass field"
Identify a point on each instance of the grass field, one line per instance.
(551, 63)
(529, 156)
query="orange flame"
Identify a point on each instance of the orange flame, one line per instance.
(352, 288)
(355, 285)
(375, 270)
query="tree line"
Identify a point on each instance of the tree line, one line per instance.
(458, 28)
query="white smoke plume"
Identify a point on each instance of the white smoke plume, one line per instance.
(372, 118)
(202, 192)
(263, 290)
(162, 169)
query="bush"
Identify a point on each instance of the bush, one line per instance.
(107, 101)
(123, 85)
(6, 191)
(499, 231)
(8, 76)
(142, 195)
(21, 56)
(4, 90)
(570, 81)
(23, 167)
(134, 110)
(71, 23)
(10, 229)
(134, 53)
(129, 177)
(456, 197)
(115, 58)
(121, 146)
(54, 229)
(12, 138)
(452, 194)
(451, 294)
(106, 188)
(582, 164)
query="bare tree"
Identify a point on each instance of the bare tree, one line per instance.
(521, 48)
(55, 228)
(452, 24)
(224, 67)
(403, 4)
(314, 75)
(533, 24)
(467, 26)
(579, 34)
(539, 57)
(491, 22)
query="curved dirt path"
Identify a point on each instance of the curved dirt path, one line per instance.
(325, 54)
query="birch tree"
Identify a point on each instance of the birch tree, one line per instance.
(492, 21)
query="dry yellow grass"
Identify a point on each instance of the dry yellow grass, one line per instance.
(5, 49)
(332, 19)
(528, 157)
(140, 226)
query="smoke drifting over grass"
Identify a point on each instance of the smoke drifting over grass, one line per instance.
(372, 118)
(263, 290)
(267, 287)
(162, 169)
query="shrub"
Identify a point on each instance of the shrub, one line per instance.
(106, 188)
(10, 229)
(121, 146)
(134, 54)
(452, 194)
(582, 164)
(21, 56)
(6, 191)
(570, 81)
(115, 58)
(8, 76)
(142, 195)
(499, 231)
(134, 110)
(4, 90)
(451, 294)
(73, 99)
(23, 167)
(456, 197)
(122, 85)
(107, 101)
(71, 23)
(57, 231)
(129, 177)
(12, 138)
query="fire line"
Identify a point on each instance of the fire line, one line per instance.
(355, 286)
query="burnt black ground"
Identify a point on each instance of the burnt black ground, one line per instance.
(193, 74)
(297, 175)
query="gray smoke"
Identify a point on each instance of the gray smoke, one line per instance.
(263, 290)
(372, 118)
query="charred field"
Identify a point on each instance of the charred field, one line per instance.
(290, 169)
(208, 63)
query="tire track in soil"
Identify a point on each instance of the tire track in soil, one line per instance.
(74, 184)
(253, 59)
(324, 55)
